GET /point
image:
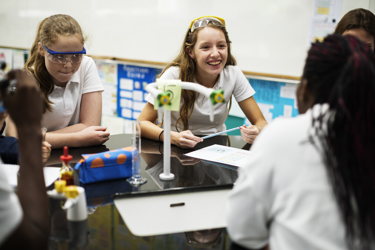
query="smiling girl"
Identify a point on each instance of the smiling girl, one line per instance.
(205, 58)
(70, 85)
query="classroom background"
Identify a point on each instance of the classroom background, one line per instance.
(131, 42)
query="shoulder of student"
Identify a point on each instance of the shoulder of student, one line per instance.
(171, 73)
(87, 61)
(232, 70)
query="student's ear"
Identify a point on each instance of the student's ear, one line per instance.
(305, 98)
(306, 92)
(190, 52)
(41, 49)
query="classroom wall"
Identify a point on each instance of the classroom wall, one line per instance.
(268, 36)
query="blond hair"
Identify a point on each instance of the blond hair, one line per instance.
(47, 33)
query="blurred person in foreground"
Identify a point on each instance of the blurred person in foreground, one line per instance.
(310, 182)
(24, 221)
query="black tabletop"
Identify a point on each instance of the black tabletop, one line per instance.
(105, 228)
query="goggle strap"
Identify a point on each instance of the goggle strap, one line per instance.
(65, 53)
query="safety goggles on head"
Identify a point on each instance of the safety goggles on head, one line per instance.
(203, 21)
(64, 57)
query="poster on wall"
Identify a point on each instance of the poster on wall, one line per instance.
(19, 58)
(326, 15)
(131, 93)
(108, 76)
(275, 99)
(6, 55)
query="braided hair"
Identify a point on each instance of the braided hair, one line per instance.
(340, 71)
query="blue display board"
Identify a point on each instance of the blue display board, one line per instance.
(131, 93)
(275, 98)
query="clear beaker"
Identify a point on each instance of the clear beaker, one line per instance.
(136, 178)
(44, 132)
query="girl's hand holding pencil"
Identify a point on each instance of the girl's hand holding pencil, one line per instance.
(249, 134)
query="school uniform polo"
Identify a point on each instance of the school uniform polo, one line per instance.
(66, 107)
(231, 80)
(283, 197)
(10, 208)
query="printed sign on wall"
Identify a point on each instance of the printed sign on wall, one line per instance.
(131, 94)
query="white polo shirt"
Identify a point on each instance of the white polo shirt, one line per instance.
(283, 197)
(10, 208)
(66, 107)
(231, 80)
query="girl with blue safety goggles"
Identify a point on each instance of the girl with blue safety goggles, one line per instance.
(69, 82)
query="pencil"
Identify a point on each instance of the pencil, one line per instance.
(222, 132)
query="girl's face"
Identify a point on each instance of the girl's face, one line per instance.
(61, 73)
(210, 52)
(362, 35)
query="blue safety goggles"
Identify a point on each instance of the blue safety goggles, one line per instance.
(64, 53)
(64, 57)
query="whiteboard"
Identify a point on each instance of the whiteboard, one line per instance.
(268, 36)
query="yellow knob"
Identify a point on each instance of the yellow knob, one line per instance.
(60, 186)
(165, 100)
(219, 97)
(71, 192)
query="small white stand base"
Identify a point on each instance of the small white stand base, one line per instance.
(166, 177)
(136, 180)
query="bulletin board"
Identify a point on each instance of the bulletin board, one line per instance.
(275, 99)
(132, 82)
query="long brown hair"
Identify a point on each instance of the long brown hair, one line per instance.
(47, 33)
(187, 67)
(357, 18)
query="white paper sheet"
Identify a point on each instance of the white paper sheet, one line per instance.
(126, 84)
(138, 95)
(126, 103)
(288, 91)
(126, 94)
(127, 113)
(138, 106)
(288, 110)
(222, 154)
(50, 174)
